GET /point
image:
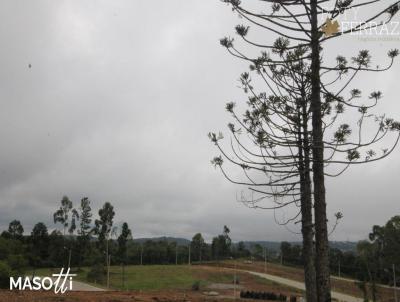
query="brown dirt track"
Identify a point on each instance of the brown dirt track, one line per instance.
(342, 286)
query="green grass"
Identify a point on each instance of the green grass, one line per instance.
(161, 277)
(153, 277)
(157, 277)
(43, 272)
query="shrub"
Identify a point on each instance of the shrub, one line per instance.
(5, 273)
(196, 286)
(96, 274)
(17, 264)
(263, 296)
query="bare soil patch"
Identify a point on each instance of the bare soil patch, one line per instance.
(297, 274)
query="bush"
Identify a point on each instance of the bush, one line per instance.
(96, 274)
(5, 273)
(262, 296)
(196, 286)
(17, 264)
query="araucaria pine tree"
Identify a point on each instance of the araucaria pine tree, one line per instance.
(304, 120)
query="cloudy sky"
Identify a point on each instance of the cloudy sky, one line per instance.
(116, 105)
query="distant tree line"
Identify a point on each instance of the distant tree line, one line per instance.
(84, 241)
(374, 261)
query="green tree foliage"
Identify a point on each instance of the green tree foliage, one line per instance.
(67, 216)
(291, 254)
(257, 250)
(368, 272)
(370, 264)
(16, 230)
(5, 273)
(103, 225)
(103, 228)
(123, 238)
(17, 263)
(85, 217)
(221, 245)
(241, 250)
(382, 252)
(57, 248)
(197, 246)
(62, 214)
(84, 231)
(13, 252)
(96, 274)
(387, 239)
(40, 243)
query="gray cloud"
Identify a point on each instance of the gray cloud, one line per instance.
(116, 106)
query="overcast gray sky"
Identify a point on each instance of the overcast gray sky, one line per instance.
(117, 105)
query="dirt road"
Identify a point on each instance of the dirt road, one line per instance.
(300, 285)
(84, 287)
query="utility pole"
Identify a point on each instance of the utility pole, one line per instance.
(189, 254)
(69, 259)
(200, 253)
(123, 268)
(265, 259)
(141, 254)
(108, 265)
(234, 283)
(108, 271)
(394, 283)
(123, 276)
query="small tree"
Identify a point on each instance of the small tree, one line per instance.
(15, 229)
(5, 273)
(227, 241)
(103, 228)
(123, 238)
(62, 214)
(40, 241)
(197, 245)
(85, 220)
(386, 242)
(67, 216)
(221, 245)
(242, 251)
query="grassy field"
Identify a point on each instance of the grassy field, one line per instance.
(158, 282)
(172, 277)
(152, 277)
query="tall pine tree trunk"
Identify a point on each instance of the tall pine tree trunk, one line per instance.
(308, 243)
(308, 233)
(306, 206)
(321, 232)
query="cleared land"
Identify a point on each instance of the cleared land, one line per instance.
(345, 286)
(176, 277)
(174, 283)
(160, 283)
